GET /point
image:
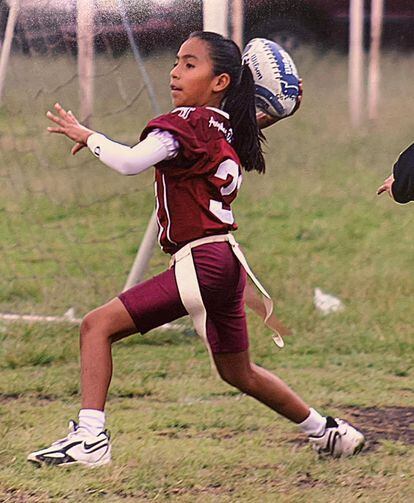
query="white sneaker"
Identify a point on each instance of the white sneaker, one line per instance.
(79, 447)
(339, 439)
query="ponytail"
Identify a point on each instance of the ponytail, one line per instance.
(239, 101)
(240, 105)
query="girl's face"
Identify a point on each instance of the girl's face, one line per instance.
(193, 82)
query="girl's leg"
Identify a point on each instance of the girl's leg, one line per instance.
(88, 443)
(100, 328)
(328, 436)
(237, 370)
(140, 309)
(151, 304)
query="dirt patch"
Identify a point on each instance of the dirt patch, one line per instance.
(20, 496)
(384, 423)
(306, 481)
(32, 397)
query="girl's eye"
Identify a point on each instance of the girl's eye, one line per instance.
(175, 64)
(189, 65)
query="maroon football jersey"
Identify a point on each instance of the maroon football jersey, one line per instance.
(195, 189)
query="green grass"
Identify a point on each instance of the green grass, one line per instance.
(69, 232)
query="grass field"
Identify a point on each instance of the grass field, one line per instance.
(69, 232)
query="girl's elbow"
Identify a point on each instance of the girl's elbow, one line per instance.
(127, 169)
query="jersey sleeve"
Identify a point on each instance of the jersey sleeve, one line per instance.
(188, 129)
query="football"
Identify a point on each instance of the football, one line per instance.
(275, 75)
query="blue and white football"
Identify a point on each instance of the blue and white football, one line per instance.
(275, 75)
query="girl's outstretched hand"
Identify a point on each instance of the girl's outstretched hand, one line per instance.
(386, 186)
(69, 125)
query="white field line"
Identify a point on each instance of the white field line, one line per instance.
(34, 318)
(68, 317)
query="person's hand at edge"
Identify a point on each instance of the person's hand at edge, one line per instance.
(386, 186)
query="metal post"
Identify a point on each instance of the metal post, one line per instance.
(215, 16)
(356, 26)
(377, 10)
(237, 21)
(144, 254)
(8, 39)
(85, 37)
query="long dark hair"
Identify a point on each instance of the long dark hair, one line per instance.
(239, 101)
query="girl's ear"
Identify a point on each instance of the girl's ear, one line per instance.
(222, 82)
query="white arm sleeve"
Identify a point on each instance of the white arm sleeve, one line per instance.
(157, 147)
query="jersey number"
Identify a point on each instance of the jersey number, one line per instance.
(226, 168)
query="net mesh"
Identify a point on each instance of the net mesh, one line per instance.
(70, 227)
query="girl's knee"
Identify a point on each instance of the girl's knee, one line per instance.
(244, 381)
(225, 376)
(87, 324)
(95, 324)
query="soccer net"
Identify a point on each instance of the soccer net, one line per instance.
(70, 227)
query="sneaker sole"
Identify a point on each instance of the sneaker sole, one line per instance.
(39, 463)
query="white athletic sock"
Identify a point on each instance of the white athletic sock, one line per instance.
(92, 420)
(314, 425)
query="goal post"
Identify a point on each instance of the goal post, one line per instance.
(237, 22)
(374, 74)
(356, 55)
(85, 39)
(7, 43)
(216, 16)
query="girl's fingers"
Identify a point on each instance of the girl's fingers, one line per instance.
(76, 148)
(55, 119)
(381, 190)
(56, 130)
(60, 110)
(72, 118)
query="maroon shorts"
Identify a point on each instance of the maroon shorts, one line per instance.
(221, 279)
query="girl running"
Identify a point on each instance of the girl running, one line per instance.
(198, 151)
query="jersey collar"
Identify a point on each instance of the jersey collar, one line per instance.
(221, 112)
(213, 109)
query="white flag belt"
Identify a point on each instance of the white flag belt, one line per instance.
(189, 289)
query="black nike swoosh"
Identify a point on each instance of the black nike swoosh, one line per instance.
(66, 448)
(87, 446)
